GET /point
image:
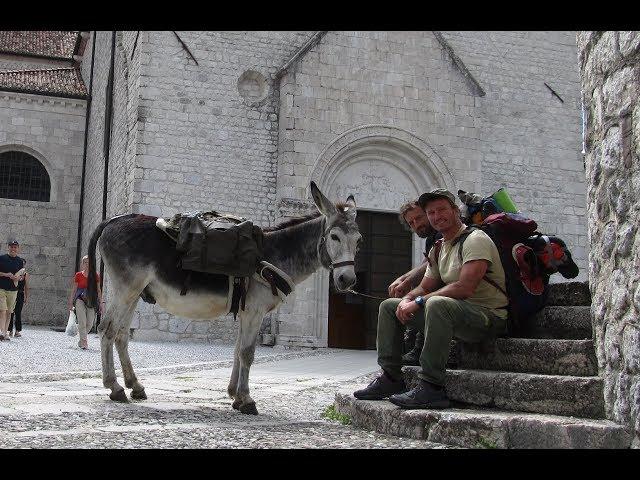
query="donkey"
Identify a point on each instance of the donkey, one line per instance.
(141, 261)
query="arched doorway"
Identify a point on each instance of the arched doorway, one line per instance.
(385, 254)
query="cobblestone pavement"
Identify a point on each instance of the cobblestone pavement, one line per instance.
(53, 398)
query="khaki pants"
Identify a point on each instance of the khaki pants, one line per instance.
(443, 319)
(8, 300)
(86, 317)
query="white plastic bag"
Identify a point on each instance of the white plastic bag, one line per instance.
(72, 324)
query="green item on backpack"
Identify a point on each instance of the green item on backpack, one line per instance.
(504, 201)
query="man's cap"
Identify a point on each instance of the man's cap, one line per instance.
(13, 242)
(436, 193)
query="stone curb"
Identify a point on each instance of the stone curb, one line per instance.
(525, 355)
(472, 428)
(168, 369)
(523, 392)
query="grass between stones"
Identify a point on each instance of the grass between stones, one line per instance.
(331, 414)
(486, 443)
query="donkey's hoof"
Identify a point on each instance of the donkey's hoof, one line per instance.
(119, 396)
(249, 409)
(138, 394)
(236, 404)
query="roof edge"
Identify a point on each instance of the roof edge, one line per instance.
(34, 55)
(44, 94)
(473, 83)
(312, 42)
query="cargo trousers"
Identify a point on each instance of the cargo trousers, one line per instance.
(443, 319)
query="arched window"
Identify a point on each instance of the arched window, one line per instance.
(23, 177)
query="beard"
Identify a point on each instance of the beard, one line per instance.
(424, 232)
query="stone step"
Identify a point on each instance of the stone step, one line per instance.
(571, 323)
(480, 428)
(530, 355)
(569, 293)
(523, 392)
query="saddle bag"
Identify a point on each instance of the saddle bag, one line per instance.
(219, 244)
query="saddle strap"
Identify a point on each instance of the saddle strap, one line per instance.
(239, 296)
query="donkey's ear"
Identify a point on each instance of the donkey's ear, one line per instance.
(324, 205)
(350, 208)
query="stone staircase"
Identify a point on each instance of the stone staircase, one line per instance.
(541, 391)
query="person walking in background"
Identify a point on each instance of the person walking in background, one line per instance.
(21, 300)
(78, 299)
(10, 274)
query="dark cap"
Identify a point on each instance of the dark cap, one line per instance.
(436, 193)
(13, 242)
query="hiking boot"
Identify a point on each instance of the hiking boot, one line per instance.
(525, 259)
(380, 388)
(423, 396)
(412, 357)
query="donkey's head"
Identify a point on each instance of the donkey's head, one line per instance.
(340, 239)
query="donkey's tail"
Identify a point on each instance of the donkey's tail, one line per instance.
(92, 292)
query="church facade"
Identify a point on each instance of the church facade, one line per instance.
(241, 122)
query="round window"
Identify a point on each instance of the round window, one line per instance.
(253, 87)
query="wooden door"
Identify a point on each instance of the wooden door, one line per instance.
(385, 254)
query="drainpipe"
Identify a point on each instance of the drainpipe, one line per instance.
(84, 154)
(108, 122)
(107, 139)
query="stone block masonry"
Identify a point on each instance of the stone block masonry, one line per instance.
(610, 67)
(51, 130)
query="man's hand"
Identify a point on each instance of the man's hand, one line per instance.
(399, 288)
(406, 310)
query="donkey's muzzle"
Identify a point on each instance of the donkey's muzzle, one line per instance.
(345, 280)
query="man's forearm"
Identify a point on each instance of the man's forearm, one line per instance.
(415, 276)
(453, 290)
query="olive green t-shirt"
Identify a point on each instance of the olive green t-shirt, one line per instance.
(477, 246)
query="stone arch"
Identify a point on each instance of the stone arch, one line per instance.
(48, 166)
(374, 157)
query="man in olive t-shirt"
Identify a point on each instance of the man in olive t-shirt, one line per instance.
(455, 299)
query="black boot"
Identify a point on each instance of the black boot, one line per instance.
(425, 395)
(409, 339)
(381, 388)
(413, 356)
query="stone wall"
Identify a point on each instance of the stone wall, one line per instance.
(94, 176)
(51, 130)
(610, 66)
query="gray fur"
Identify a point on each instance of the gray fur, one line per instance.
(296, 248)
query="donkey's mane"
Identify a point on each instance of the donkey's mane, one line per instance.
(341, 206)
(291, 222)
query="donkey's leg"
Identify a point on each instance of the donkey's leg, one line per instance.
(247, 347)
(108, 328)
(233, 381)
(122, 346)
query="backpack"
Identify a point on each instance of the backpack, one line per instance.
(508, 230)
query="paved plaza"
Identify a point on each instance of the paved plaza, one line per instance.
(51, 396)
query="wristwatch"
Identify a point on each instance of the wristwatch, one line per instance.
(419, 300)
